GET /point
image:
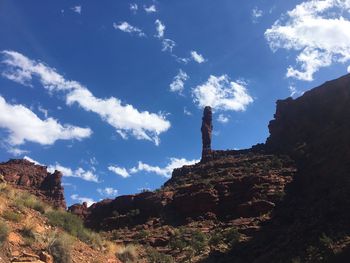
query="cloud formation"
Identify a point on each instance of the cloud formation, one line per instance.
(127, 120)
(160, 27)
(144, 167)
(134, 7)
(108, 191)
(223, 94)
(223, 119)
(318, 31)
(150, 9)
(77, 9)
(256, 14)
(119, 171)
(168, 45)
(127, 28)
(197, 57)
(24, 125)
(78, 173)
(80, 199)
(178, 83)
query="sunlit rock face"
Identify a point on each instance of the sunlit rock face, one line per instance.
(36, 179)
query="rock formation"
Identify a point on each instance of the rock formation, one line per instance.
(35, 179)
(206, 129)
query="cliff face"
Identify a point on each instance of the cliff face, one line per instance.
(35, 179)
(312, 222)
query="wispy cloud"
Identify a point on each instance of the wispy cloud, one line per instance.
(126, 120)
(134, 7)
(150, 9)
(77, 9)
(162, 171)
(223, 119)
(222, 93)
(168, 45)
(78, 173)
(80, 199)
(256, 14)
(318, 31)
(127, 28)
(119, 171)
(197, 57)
(24, 125)
(108, 191)
(160, 27)
(348, 69)
(178, 83)
(187, 112)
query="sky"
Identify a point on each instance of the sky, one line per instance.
(112, 94)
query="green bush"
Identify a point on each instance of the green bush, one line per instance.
(4, 232)
(128, 254)
(60, 248)
(12, 216)
(198, 241)
(195, 240)
(156, 257)
(231, 236)
(30, 201)
(216, 238)
(74, 226)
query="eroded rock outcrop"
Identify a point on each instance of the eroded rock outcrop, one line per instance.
(206, 129)
(35, 179)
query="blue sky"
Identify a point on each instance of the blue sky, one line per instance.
(112, 93)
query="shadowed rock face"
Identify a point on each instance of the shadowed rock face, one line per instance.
(206, 129)
(35, 179)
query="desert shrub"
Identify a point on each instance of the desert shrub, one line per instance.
(74, 226)
(141, 235)
(154, 256)
(28, 233)
(216, 238)
(60, 248)
(326, 241)
(30, 201)
(12, 216)
(4, 232)
(198, 241)
(133, 213)
(231, 236)
(178, 241)
(127, 254)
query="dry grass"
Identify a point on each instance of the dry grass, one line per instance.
(127, 254)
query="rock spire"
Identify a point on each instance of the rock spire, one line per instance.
(206, 129)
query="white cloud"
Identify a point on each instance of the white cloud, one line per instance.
(150, 9)
(256, 14)
(43, 111)
(187, 112)
(294, 92)
(77, 9)
(178, 83)
(31, 160)
(221, 93)
(318, 30)
(160, 27)
(78, 173)
(134, 7)
(348, 69)
(14, 150)
(124, 118)
(24, 125)
(80, 199)
(168, 45)
(126, 27)
(119, 171)
(162, 171)
(197, 57)
(108, 191)
(223, 119)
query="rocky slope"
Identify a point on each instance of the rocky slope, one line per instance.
(28, 176)
(288, 198)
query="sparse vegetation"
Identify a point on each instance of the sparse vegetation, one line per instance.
(157, 257)
(12, 216)
(127, 254)
(60, 248)
(4, 232)
(74, 226)
(189, 240)
(30, 201)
